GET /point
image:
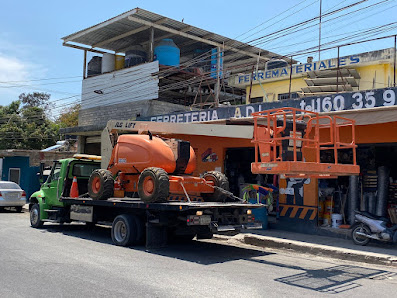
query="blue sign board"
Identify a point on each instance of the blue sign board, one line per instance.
(335, 102)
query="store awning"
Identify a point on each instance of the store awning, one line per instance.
(369, 116)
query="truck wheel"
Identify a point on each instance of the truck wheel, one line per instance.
(220, 180)
(358, 239)
(101, 185)
(124, 230)
(35, 221)
(153, 185)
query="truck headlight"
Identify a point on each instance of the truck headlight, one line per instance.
(249, 211)
(199, 213)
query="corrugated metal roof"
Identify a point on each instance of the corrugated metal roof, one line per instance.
(118, 33)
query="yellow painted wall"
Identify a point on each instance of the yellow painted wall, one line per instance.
(372, 77)
(375, 76)
(274, 88)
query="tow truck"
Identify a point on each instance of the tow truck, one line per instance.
(134, 221)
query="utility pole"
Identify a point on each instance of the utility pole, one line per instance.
(218, 75)
(319, 32)
(151, 46)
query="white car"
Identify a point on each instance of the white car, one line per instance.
(11, 195)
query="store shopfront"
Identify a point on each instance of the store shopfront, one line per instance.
(306, 205)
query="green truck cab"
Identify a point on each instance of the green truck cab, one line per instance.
(45, 204)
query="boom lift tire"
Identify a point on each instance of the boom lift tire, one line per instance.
(101, 185)
(153, 185)
(124, 230)
(220, 180)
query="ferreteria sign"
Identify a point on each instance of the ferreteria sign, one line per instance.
(336, 102)
(260, 76)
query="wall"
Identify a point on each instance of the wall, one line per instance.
(273, 89)
(125, 85)
(29, 181)
(375, 69)
(375, 76)
(123, 111)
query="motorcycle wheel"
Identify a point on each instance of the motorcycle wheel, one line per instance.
(358, 239)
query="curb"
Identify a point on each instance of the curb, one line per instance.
(315, 249)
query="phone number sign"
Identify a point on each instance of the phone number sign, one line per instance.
(350, 101)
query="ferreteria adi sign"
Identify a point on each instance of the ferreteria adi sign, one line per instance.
(357, 60)
(336, 102)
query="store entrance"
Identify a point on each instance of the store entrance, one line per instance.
(376, 190)
(238, 168)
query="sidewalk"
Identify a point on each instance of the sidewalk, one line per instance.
(374, 253)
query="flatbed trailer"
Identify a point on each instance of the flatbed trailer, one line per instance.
(135, 222)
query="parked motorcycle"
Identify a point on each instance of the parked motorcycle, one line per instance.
(369, 226)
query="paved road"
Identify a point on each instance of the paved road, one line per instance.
(73, 261)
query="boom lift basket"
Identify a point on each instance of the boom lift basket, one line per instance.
(289, 141)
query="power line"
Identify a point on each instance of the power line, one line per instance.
(43, 79)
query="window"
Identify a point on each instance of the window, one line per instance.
(256, 99)
(55, 172)
(284, 96)
(8, 185)
(84, 170)
(14, 175)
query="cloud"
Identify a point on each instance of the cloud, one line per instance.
(16, 75)
(12, 69)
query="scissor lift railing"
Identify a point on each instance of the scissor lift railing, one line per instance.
(283, 136)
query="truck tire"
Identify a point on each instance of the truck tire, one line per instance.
(153, 185)
(124, 230)
(35, 221)
(101, 185)
(220, 180)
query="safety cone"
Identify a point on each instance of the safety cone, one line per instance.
(74, 190)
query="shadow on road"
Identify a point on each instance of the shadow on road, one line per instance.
(94, 233)
(331, 280)
(200, 252)
(9, 210)
(208, 253)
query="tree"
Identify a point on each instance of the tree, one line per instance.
(70, 117)
(27, 127)
(35, 99)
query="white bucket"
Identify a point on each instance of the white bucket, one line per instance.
(108, 62)
(336, 220)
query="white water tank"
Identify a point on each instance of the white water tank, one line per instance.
(108, 62)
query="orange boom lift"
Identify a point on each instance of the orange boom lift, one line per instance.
(290, 141)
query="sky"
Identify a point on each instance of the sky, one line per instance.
(32, 57)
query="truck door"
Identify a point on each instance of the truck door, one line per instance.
(52, 188)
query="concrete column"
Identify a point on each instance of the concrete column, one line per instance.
(81, 144)
(354, 202)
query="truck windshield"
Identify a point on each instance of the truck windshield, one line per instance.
(56, 170)
(84, 170)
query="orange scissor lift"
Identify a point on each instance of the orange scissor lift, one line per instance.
(288, 142)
